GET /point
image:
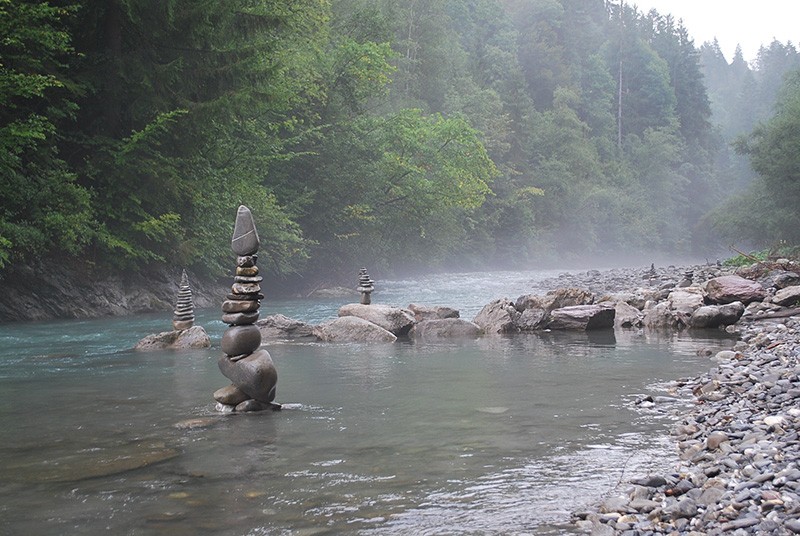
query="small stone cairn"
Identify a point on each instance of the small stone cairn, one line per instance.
(365, 286)
(245, 364)
(183, 317)
(184, 335)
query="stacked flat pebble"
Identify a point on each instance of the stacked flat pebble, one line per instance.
(739, 448)
(250, 368)
(365, 286)
(183, 316)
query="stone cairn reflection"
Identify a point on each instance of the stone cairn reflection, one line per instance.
(365, 286)
(183, 316)
(245, 364)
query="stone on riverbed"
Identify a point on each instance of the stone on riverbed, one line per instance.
(187, 339)
(713, 316)
(446, 328)
(731, 288)
(498, 317)
(581, 317)
(282, 327)
(788, 296)
(423, 312)
(352, 329)
(555, 299)
(393, 319)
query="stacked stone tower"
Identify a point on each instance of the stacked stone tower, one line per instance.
(365, 286)
(183, 316)
(245, 364)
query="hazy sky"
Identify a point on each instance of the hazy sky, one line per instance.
(750, 23)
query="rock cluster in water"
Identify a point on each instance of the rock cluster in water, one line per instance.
(183, 316)
(185, 335)
(245, 363)
(365, 286)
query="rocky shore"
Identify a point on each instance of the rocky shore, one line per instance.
(737, 462)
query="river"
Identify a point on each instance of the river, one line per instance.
(503, 435)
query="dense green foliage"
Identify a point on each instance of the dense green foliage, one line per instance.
(378, 132)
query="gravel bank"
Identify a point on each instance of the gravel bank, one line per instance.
(737, 466)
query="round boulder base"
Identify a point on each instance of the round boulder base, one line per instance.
(239, 340)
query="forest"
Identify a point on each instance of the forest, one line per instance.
(398, 135)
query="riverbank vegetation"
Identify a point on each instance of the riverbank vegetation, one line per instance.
(384, 133)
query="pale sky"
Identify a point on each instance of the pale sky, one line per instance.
(750, 23)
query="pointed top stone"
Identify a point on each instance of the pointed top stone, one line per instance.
(245, 237)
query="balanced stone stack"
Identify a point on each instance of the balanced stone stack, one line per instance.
(249, 367)
(365, 286)
(183, 317)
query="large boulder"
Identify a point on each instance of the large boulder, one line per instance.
(185, 339)
(423, 312)
(780, 279)
(582, 317)
(788, 296)
(713, 316)
(660, 315)
(498, 317)
(732, 288)
(352, 329)
(446, 328)
(686, 300)
(626, 315)
(393, 319)
(254, 375)
(282, 327)
(555, 299)
(531, 319)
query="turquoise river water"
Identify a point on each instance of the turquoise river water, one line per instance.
(503, 435)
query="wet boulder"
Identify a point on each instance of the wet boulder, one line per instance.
(254, 374)
(626, 315)
(352, 329)
(787, 297)
(282, 327)
(555, 299)
(498, 317)
(186, 339)
(446, 328)
(713, 316)
(393, 319)
(582, 317)
(731, 288)
(423, 312)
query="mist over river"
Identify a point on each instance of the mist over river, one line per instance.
(503, 435)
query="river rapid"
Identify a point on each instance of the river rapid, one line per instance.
(503, 435)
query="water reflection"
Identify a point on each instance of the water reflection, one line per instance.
(500, 435)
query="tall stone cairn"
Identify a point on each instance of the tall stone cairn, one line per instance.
(365, 286)
(245, 364)
(183, 316)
